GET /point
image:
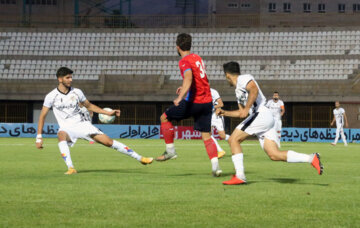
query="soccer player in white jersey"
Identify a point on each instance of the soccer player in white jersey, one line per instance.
(277, 109)
(64, 100)
(339, 117)
(260, 122)
(218, 121)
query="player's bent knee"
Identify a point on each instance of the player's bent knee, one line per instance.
(61, 136)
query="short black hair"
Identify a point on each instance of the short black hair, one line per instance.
(183, 40)
(232, 68)
(63, 71)
(276, 92)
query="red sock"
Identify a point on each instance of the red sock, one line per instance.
(167, 130)
(211, 148)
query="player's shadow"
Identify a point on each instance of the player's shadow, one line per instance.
(114, 171)
(294, 181)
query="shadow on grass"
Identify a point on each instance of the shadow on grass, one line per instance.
(114, 171)
(294, 181)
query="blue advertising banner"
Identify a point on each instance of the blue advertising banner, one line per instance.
(318, 135)
(27, 130)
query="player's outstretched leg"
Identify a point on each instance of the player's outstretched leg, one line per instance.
(272, 149)
(106, 141)
(167, 130)
(65, 152)
(220, 151)
(211, 150)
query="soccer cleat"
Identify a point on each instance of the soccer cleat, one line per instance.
(166, 156)
(217, 172)
(146, 161)
(221, 154)
(316, 163)
(234, 181)
(71, 171)
(333, 144)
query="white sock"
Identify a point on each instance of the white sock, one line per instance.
(293, 156)
(170, 148)
(218, 147)
(337, 136)
(239, 165)
(65, 153)
(343, 137)
(214, 164)
(227, 137)
(125, 150)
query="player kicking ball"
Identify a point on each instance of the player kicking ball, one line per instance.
(259, 121)
(65, 100)
(197, 103)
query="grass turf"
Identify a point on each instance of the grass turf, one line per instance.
(113, 190)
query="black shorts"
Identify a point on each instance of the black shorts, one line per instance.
(201, 113)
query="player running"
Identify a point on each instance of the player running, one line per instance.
(277, 109)
(259, 121)
(339, 116)
(217, 122)
(197, 103)
(73, 123)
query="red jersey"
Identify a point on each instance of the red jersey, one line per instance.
(199, 91)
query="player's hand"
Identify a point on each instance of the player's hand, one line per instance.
(39, 143)
(178, 91)
(219, 112)
(177, 101)
(347, 125)
(244, 113)
(115, 112)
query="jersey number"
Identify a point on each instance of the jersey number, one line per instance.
(202, 68)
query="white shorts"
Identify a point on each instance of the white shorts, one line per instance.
(217, 122)
(261, 124)
(82, 130)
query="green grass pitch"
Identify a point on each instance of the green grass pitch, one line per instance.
(113, 190)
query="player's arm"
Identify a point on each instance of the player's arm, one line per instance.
(234, 113)
(43, 114)
(94, 108)
(185, 86)
(333, 121)
(282, 110)
(346, 121)
(220, 103)
(253, 93)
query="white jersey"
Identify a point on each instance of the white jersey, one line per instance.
(339, 116)
(275, 108)
(242, 94)
(215, 96)
(66, 106)
(86, 113)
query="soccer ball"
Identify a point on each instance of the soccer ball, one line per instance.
(105, 118)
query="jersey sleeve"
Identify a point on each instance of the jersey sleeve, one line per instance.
(184, 66)
(282, 105)
(81, 95)
(48, 101)
(267, 103)
(243, 81)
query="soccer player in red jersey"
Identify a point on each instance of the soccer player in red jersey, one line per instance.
(194, 100)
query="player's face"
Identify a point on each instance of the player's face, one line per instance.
(66, 80)
(337, 104)
(228, 78)
(276, 96)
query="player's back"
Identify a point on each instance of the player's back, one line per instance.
(200, 88)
